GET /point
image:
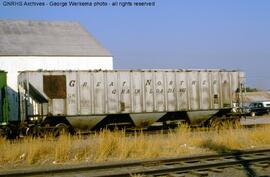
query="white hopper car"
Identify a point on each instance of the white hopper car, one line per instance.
(88, 100)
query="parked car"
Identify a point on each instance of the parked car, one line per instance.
(258, 108)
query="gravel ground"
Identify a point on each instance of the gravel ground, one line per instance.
(255, 120)
(262, 170)
(250, 171)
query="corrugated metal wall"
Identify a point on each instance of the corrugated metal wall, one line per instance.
(131, 91)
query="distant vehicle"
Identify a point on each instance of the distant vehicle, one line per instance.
(258, 108)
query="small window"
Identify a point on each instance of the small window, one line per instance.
(253, 105)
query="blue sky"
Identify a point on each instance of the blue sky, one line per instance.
(225, 34)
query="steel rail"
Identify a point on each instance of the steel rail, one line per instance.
(185, 168)
(160, 166)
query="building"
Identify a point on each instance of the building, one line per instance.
(256, 96)
(33, 45)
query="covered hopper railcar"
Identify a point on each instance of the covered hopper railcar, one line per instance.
(88, 100)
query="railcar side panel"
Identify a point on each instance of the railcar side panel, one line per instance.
(71, 94)
(215, 90)
(99, 93)
(204, 91)
(193, 87)
(159, 91)
(125, 91)
(85, 93)
(235, 81)
(225, 89)
(112, 91)
(137, 86)
(148, 91)
(182, 91)
(171, 91)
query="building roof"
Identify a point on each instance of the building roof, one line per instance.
(43, 38)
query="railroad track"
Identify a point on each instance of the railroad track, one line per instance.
(201, 164)
(246, 123)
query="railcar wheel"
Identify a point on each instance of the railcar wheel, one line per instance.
(34, 131)
(60, 129)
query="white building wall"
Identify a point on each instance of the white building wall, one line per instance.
(14, 64)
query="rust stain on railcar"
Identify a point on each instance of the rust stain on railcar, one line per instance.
(55, 86)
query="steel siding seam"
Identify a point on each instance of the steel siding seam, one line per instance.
(220, 89)
(165, 107)
(130, 92)
(191, 92)
(105, 104)
(70, 91)
(208, 88)
(143, 92)
(146, 94)
(175, 92)
(27, 96)
(19, 96)
(210, 94)
(155, 105)
(78, 91)
(92, 93)
(240, 89)
(154, 80)
(230, 88)
(199, 89)
(88, 91)
(128, 97)
(152, 87)
(188, 90)
(160, 94)
(227, 95)
(176, 87)
(140, 99)
(107, 91)
(166, 94)
(217, 89)
(133, 90)
(118, 92)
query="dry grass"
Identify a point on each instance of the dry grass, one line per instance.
(114, 146)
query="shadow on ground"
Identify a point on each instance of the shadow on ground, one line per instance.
(221, 149)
